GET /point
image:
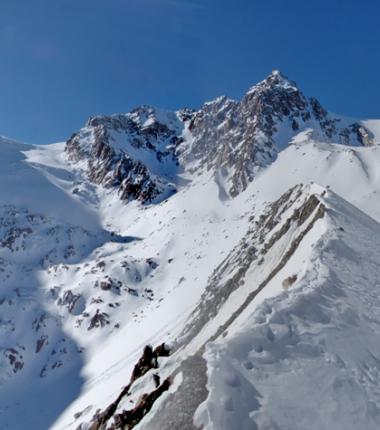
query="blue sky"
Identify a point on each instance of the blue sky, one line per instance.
(64, 60)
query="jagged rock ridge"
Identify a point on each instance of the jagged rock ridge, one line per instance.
(113, 145)
(236, 139)
(231, 139)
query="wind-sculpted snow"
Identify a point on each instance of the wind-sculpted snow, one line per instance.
(308, 357)
(268, 245)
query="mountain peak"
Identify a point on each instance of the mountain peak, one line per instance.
(278, 79)
(278, 74)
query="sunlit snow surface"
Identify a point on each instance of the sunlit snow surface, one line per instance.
(307, 357)
(302, 358)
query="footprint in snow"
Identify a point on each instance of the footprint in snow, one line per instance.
(228, 404)
(232, 379)
(248, 365)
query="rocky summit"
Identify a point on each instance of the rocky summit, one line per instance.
(212, 268)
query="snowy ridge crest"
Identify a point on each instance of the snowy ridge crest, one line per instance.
(305, 336)
(269, 244)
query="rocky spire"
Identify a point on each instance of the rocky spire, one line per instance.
(273, 80)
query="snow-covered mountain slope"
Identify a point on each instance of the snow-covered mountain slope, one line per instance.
(217, 237)
(308, 357)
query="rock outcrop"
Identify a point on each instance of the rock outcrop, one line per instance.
(133, 153)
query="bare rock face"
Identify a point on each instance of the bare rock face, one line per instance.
(114, 146)
(149, 360)
(115, 418)
(15, 359)
(99, 319)
(128, 419)
(75, 303)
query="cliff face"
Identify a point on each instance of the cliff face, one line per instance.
(133, 153)
(237, 139)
